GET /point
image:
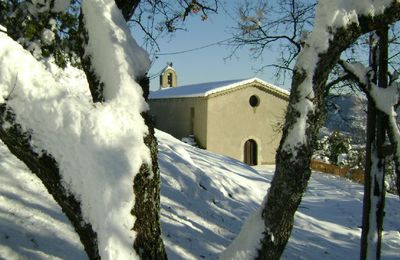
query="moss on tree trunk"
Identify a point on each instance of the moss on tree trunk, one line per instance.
(45, 167)
(293, 166)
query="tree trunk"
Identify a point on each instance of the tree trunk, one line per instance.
(127, 7)
(292, 164)
(371, 134)
(46, 168)
(148, 243)
(146, 185)
(374, 187)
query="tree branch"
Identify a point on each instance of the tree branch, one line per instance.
(337, 81)
(368, 87)
(289, 183)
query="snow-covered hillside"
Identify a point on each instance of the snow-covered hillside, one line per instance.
(205, 198)
(347, 114)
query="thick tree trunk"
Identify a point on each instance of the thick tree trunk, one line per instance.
(292, 164)
(148, 243)
(146, 185)
(46, 168)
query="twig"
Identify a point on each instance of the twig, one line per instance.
(14, 85)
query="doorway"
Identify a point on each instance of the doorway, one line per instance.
(250, 152)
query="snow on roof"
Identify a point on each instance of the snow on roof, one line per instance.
(206, 89)
(168, 67)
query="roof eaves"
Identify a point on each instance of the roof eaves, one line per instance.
(244, 83)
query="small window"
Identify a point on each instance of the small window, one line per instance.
(169, 79)
(254, 101)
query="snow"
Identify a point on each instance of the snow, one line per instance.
(246, 243)
(206, 89)
(385, 99)
(376, 180)
(99, 147)
(169, 67)
(32, 225)
(115, 54)
(205, 198)
(359, 70)
(47, 36)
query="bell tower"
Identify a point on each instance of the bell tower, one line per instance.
(168, 78)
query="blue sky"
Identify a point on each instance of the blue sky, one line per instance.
(212, 63)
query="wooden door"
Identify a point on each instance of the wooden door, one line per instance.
(250, 152)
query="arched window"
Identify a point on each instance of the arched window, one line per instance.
(169, 80)
(250, 152)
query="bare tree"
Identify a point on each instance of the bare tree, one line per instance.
(159, 18)
(263, 26)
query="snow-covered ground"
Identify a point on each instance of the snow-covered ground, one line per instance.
(205, 198)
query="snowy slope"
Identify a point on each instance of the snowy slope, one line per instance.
(205, 198)
(32, 225)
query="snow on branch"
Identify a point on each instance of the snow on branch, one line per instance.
(357, 71)
(99, 148)
(384, 99)
(116, 57)
(337, 24)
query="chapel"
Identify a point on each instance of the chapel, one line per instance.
(239, 118)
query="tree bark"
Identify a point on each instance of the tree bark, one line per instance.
(374, 187)
(293, 165)
(146, 185)
(127, 7)
(96, 87)
(46, 169)
(371, 133)
(148, 243)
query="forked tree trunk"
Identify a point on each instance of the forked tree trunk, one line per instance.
(293, 165)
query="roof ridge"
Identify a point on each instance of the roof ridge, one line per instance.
(207, 88)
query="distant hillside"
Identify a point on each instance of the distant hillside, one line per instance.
(347, 114)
